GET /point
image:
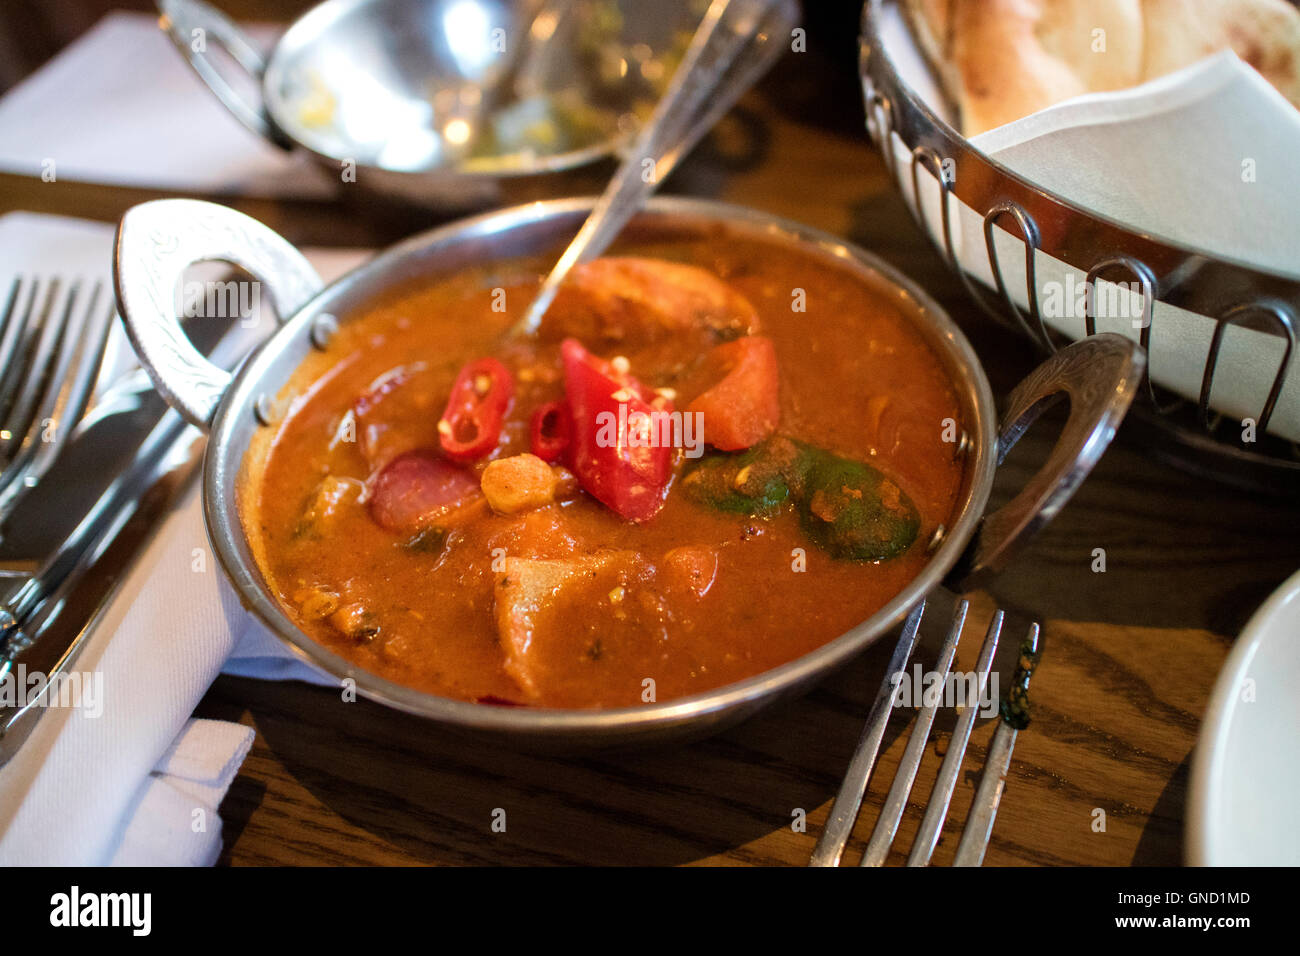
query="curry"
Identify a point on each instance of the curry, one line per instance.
(716, 455)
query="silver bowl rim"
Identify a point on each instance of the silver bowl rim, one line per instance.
(315, 21)
(223, 464)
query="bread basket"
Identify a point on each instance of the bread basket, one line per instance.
(1028, 232)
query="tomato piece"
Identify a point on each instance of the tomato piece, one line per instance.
(480, 398)
(550, 431)
(615, 451)
(744, 407)
(417, 487)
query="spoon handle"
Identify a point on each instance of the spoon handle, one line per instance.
(704, 86)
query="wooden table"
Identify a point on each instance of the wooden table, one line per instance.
(1131, 653)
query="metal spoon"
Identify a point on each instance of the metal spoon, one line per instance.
(711, 77)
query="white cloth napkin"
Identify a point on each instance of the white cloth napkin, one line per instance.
(1204, 156)
(179, 799)
(135, 780)
(126, 68)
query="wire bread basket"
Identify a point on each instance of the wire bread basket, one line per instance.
(1006, 238)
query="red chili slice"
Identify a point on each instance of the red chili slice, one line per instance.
(551, 431)
(616, 452)
(416, 487)
(480, 397)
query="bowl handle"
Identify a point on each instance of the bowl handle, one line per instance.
(1100, 376)
(156, 242)
(192, 24)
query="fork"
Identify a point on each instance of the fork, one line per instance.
(988, 795)
(52, 340)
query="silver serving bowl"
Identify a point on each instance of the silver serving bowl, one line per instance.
(403, 96)
(157, 241)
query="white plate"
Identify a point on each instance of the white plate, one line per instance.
(1246, 771)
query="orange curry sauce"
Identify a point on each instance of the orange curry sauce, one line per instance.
(750, 593)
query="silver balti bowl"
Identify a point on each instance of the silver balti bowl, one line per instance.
(158, 240)
(383, 92)
(1006, 237)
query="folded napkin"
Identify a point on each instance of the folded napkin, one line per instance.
(1203, 157)
(140, 80)
(175, 821)
(133, 779)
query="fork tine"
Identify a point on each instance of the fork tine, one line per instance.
(87, 360)
(86, 322)
(882, 837)
(988, 796)
(844, 811)
(9, 323)
(45, 341)
(13, 343)
(941, 796)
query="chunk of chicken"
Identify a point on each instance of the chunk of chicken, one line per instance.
(527, 593)
(629, 301)
(355, 621)
(316, 602)
(327, 502)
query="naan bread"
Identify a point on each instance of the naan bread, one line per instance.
(1000, 60)
(931, 23)
(1264, 33)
